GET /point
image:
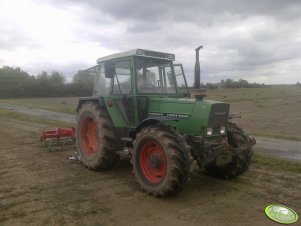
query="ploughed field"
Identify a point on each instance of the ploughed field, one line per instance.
(38, 187)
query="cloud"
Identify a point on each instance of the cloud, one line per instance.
(256, 40)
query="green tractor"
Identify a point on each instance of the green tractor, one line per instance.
(141, 106)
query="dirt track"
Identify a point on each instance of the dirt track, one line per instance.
(286, 149)
(39, 112)
(45, 188)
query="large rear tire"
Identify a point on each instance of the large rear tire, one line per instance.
(95, 138)
(161, 160)
(240, 161)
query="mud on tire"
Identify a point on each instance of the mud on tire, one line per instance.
(95, 138)
(241, 161)
(161, 160)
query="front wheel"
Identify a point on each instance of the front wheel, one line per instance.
(161, 160)
(241, 161)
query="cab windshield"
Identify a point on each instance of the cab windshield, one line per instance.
(154, 76)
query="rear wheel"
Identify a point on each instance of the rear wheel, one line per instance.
(161, 160)
(241, 160)
(95, 138)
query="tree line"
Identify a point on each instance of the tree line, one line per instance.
(229, 83)
(15, 82)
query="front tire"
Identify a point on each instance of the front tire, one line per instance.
(161, 160)
(95, 138)
(240, 161)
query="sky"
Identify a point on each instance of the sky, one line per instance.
(256, 40)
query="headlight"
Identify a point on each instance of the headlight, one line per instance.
(222, 130)
(209, 131)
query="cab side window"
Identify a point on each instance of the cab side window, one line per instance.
(122, 78)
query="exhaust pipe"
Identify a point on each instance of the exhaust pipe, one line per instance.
(198, 92)
(197, 69)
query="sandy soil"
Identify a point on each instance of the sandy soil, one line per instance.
(38, 187)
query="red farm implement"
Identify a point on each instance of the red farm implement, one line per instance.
(59, 136)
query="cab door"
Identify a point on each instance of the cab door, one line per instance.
(122, 90)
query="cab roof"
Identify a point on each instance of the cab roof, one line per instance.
(138, 52)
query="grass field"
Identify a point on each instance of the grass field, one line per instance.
(255, 94)
(272, 111)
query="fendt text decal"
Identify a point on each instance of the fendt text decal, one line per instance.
(169, 114)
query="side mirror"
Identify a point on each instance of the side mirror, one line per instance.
(109, 69)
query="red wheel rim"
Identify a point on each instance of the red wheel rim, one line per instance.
(153, 161)
(89, 136)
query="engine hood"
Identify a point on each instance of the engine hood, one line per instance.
(193, 117)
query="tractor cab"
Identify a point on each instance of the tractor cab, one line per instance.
(141, 87)
(127, 80)
(139, 72)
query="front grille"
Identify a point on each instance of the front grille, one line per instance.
(215, 130)
(218, 117)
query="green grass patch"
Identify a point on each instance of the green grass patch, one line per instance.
(276, 163)
(27, 118)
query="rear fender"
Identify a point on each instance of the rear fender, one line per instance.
(97, 100)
